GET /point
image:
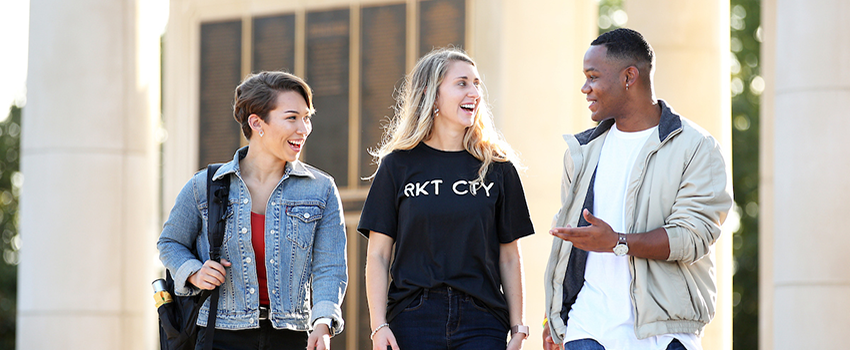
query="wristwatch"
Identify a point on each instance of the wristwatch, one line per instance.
(622, 247)
(520, 329)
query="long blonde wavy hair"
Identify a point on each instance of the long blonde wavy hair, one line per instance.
(414, 115)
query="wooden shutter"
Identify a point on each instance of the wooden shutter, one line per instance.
(273, 44)
(441, 23)
(327, 67)
(219, 133)
(382, 58)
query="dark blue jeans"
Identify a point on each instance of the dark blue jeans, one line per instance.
(445, 318)
(263, 338)
(590, 344)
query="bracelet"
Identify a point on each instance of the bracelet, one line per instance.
(377, 329)
(545, 320)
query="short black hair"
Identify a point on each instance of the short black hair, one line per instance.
(628, 44)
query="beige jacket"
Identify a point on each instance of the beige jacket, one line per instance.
(678, 182)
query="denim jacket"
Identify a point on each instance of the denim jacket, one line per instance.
(305, 249)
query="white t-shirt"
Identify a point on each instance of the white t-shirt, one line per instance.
(603, 309)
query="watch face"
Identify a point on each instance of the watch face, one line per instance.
(522, 329)
(621, 249)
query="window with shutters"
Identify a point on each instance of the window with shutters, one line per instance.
(219, 134)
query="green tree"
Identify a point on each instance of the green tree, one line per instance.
(10, 188)
(747, 85)
(611, 15)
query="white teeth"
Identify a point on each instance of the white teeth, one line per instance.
(296, 143)
(468, 105)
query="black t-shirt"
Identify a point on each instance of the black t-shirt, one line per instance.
(447, 228)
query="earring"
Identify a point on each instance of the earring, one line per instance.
(627, 86)
(261, 133)
(436, 112)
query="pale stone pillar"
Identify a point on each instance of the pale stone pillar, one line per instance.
(88, 209)
(691, 41)
(530, 56)
(767, 66)
(807, 126)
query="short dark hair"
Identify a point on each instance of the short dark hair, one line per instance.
(257, 94)
(626, 44)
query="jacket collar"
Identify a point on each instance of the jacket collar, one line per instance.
(669, 122)
(296, 168)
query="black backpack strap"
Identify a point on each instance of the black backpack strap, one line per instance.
(217, 203)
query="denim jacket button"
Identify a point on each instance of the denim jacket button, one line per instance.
(251, 291)
(274, 291)
(271, 261)
(306, 215)
(271, 231)
(244, 229)
(245, 201)
(248, 260)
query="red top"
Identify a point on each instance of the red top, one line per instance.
(258, 234)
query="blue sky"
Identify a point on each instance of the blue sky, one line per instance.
(14, 26)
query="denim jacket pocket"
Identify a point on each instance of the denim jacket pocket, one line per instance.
(302, 218)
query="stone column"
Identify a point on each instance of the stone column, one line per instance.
(88, 210)
(691, 41)
(767, 67)
(808, 44)
(530, 57)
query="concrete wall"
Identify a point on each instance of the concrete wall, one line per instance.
(88, 209)
(766, 183)
(804, 188)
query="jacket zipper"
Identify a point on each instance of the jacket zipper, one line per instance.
(637, 190)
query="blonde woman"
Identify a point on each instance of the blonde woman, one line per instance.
(448, 198)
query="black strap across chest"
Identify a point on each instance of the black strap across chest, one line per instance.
(217, 204)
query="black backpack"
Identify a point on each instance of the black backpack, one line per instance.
(177, 320)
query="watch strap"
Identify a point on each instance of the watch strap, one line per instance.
(520, 329)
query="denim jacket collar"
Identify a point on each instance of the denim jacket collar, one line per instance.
(295, 168)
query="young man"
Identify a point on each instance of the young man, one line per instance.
(644, 194)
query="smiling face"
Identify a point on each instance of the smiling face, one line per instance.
(458, 95)
(604, 80)
(286, 127)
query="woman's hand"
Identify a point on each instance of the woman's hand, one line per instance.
(320, 338)
(516, 342)
(210, 275)
(384, 338)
